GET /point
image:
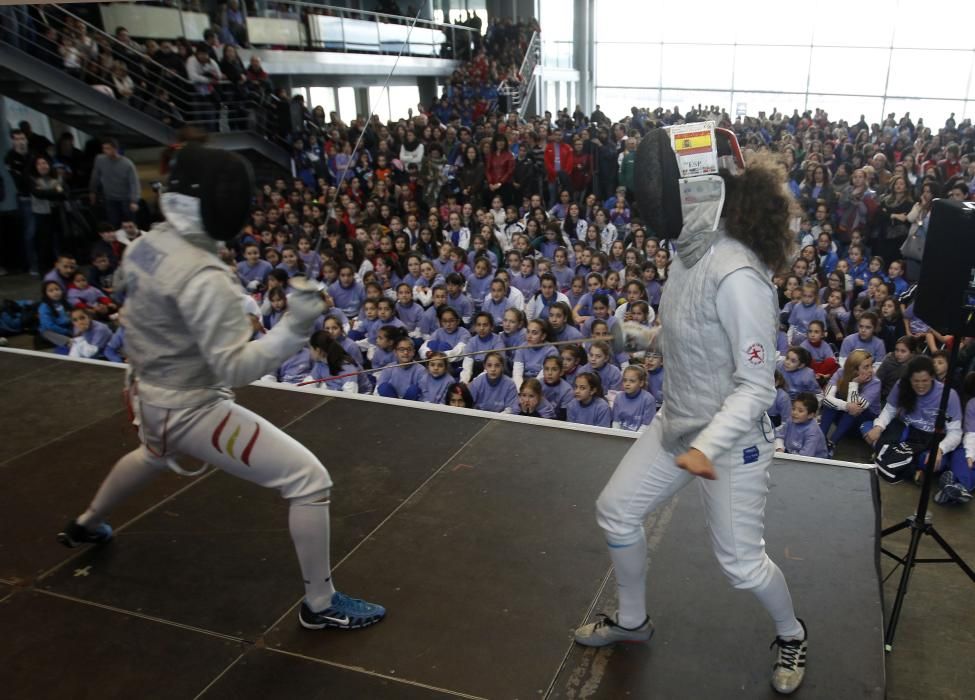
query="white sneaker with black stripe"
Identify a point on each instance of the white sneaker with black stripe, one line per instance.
(606, 630)
(790, 664)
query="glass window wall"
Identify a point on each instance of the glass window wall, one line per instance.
(870, 57)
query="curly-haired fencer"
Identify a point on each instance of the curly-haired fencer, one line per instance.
(712, 427)
(187, 339)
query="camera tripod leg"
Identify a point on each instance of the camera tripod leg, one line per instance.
(952, 553)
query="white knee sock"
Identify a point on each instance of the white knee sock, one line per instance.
(777, 600)
(129, 474)
(308, 523)
(631, 581)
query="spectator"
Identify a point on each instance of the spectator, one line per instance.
(115, 178)
(204, 73)
(48, 192)
(17, 160)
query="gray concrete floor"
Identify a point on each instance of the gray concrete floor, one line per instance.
(936, 635)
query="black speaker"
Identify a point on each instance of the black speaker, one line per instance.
(946, 290)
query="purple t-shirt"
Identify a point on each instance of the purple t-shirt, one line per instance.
(493, 396)
(596, 412)
(804, 439)
(634, 412)
(925, 411)
(802, 315)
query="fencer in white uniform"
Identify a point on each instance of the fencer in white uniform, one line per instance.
(187, 340)
(719, 318)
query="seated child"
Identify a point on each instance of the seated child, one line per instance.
(402, 382)
(852, 397)
(53, 312)
(407, 310)
(654, 364)
(330, 360)
(437, 380)
(279, 305)
(528, 361)
(589, 407)
(610, 377)
(90, 337)
(822, 358)
(556, 390)
(800, 434)
(531, 402)
(83, 295)
(451, 338)
(781, 404)
(334, 329)
(483, 341)
(366, 324)
(797, 374)
(492, 390)
(804, 312)
(459, 396)
(634, 407)
(573, 358)
(513, 331)
(383, 353)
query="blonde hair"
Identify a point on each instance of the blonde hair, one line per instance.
(850, 369)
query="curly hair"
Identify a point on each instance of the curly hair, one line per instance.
(757, 210)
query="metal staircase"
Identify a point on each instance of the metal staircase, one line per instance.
(32, 74)
(516, 96)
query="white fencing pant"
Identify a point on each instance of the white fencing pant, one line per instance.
(734, 505)
(222, 434)
(240, 442)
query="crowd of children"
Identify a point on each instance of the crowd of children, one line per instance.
(479, 279)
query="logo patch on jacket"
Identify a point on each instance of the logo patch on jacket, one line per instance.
(755, 354)
(750, 455)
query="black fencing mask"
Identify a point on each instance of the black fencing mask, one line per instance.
(655, 179)
(222, 181)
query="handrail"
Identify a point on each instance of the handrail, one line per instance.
(92, 28)
(391, 19)
(519, 94)
(191, 108)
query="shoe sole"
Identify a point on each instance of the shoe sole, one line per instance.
(333, 626)
(66, 539)
(786, 692)
(616, 641)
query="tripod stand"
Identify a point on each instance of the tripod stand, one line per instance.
(920, 523)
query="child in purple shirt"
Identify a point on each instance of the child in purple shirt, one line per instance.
(800, 434)
(492, 390)
(634, 407)
(797, 374)
(610, 376)
(852, 397)
(804, 312)
(90, 337)
(864, 338)
(483, 340)
(528, 361)
(437, 380)
(531, 401)
(654, 364)
(555, 389)
(781, 404)
(589, 407)
(402, 382)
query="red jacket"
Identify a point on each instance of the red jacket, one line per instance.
(500, 167)
(565, 157)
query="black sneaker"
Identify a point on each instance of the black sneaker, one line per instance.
(790, 664)
(344, 613)
(75, 534)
